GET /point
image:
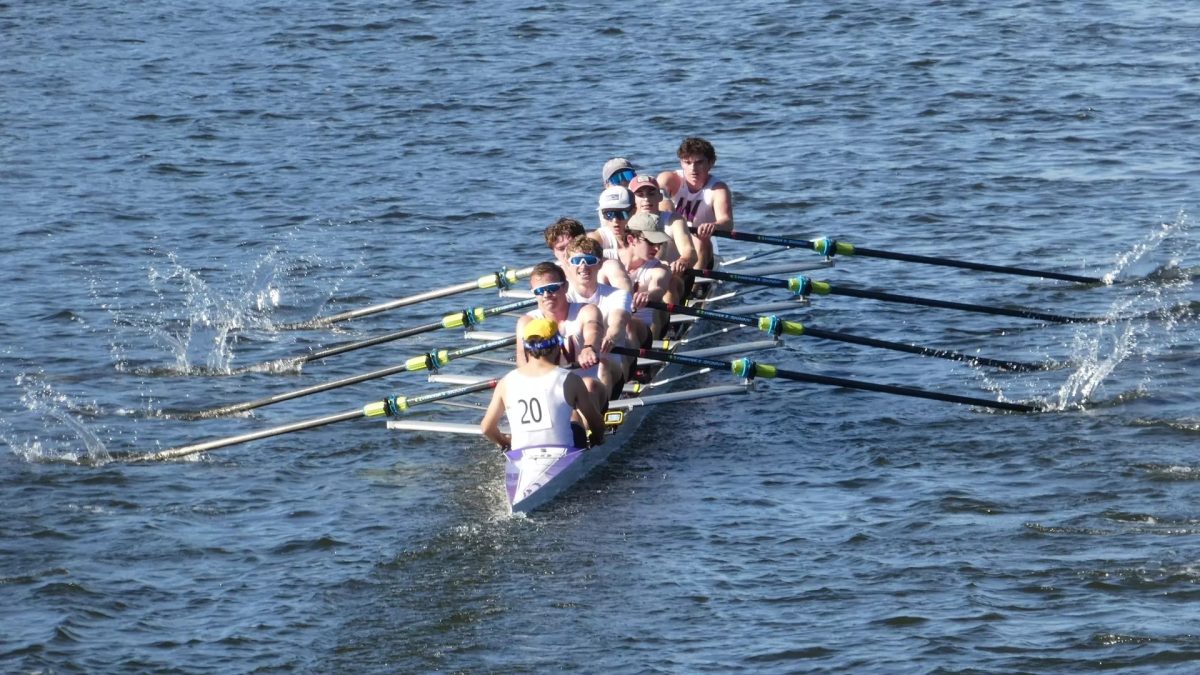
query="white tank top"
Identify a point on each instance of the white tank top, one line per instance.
(609, 243)
(639, 275)
(695, 207)
(537, 410)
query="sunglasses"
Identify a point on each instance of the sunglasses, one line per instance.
(548, 289)
(582, 259)
(615, 214)
(622, 176)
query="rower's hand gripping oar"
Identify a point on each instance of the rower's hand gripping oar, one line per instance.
(803, 286)
(392, 406)
(464, 319)
(502, 278)
(776, 327)
(428, 361)
(749, 369)
(830, 247)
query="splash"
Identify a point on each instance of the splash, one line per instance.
(62, 414)
(1161, 305)
(1129, 349)
(197, 319)
(1169, 238)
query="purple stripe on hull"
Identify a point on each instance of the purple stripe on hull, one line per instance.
(528, 470)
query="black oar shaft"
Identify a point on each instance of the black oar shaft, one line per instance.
(794, 328)
(766, 370)
(825, 288)
(980, 267)
(947, 354)
(831, 247)
(960, 306)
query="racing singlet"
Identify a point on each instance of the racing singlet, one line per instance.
(537, 410)
(695, 207)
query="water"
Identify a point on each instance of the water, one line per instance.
(182, 181)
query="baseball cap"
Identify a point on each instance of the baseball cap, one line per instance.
(615, 197)
(540, 330)
(650, 225)
(614, 165)
(641, 182)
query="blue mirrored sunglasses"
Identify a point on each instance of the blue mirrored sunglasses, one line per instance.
(615, 214)
(622, 176)
(548, 289)
(583, 259)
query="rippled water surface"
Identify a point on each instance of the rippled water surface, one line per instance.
(181, 182)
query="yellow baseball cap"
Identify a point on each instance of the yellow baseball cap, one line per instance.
(540, 330)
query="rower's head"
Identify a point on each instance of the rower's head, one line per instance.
(646, 193)
(584, 256)
(696, 157)
(614, 206)
(646, 229)
(549, 285)
(541, 339)
(617, 171)
(559, 235)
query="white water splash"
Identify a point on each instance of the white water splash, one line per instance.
(197, 322)
(1171, 238)
(1149, 315)
(1158, 304)
(61, 413)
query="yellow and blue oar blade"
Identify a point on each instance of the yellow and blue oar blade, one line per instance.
(465, 318)
(501, 278)
(749, 369)
(776, 327)
(830, 247)
(429, 361)
(806, 286)
(392, 406)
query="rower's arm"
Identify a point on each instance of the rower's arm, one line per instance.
(521, 343)
(723, 207)
(578, 397)
(683, 242)
(613, 273)
(490, 425)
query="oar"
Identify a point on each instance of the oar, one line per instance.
(430, 361)
(804, 286)
(467, 317)
(502, 278)
(776, 327)
(392, 406)
(830, 247)
(749, 369)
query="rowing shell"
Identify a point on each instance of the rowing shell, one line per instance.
(535, 476)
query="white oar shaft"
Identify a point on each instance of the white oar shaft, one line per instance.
(185, 450)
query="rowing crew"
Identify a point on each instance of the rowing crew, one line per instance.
(592, 295)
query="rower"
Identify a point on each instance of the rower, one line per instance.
(617, 171)
(581, 326)
(704, 201)
(539, 398)
(559, 235)
(614, 207)
(616, 305)
(651, 278)
(679, 251)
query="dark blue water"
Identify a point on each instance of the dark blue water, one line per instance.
(178, 182)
